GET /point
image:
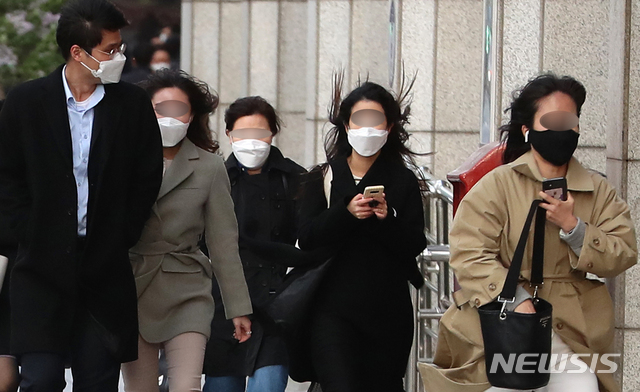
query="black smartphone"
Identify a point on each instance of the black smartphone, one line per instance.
(556, 188)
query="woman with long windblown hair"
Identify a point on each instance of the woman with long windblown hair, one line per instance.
(361, 327)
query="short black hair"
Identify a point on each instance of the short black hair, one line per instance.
(249, 106)
(82, 22)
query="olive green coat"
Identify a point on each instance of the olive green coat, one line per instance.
(173, 277)
(483, 239)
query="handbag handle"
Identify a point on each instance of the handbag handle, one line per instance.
(508, 294)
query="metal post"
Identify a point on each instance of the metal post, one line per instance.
(490, 102)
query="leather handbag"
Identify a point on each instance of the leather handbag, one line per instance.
(291, 303)
(517, 345)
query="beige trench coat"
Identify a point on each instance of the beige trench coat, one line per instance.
(483, 239)
(173, 277)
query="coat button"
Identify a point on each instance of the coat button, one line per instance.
(492, 287)
(260, 265)
(596, 241)
(264, 285)
(69, 213)
(590, 265)
(560, 326)
(477, 301)
(278, 206)
(263, 197)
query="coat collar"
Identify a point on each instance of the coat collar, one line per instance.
(380, 173)
(578, 178)
(106, 114)
(180, 169)
(55, 107)
(275, 161)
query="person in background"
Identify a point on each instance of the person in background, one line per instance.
(589, 232)
(160, 59)
(8, 363)
(139, 69)
(264, 186)
(80, 168)
(173, 277)
(361, 326)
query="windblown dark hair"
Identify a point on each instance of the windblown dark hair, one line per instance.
(203, 103)
(525, 105)
(248, 106)
(82, 21)
(396, 110)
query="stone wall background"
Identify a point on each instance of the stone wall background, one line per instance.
(287, 50)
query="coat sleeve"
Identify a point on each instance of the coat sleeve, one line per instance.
(144, 183)
(221, 231)
(320, 226)
(15, 198)
(475, 241)
(609, 245)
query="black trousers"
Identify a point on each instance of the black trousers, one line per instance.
(93, 367)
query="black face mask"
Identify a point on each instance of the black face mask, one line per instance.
(556, 147)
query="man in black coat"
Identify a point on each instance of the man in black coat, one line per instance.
(80, 168)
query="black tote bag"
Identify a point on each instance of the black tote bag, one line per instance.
(507, 335)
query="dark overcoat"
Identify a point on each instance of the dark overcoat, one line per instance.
(38, 193)
(367, 283)
(265, 206)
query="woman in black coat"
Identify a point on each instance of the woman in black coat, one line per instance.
(264, 185)
(361, 327)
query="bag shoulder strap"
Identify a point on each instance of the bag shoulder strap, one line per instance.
(508, 293)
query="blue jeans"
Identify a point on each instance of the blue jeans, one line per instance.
(266, 379)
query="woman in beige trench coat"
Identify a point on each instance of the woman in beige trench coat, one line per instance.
(173, 277)
(591, 232)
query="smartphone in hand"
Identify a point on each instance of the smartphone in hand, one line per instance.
(373, 191)
(556, 188)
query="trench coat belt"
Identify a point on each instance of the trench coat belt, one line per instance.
(460, 298)
(186, 253)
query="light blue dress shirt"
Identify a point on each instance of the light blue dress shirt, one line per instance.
(81, 123)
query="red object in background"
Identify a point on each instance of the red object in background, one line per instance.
(481, 162)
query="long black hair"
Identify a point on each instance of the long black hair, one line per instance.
(203, 103)
(396, 110)
(525, 105)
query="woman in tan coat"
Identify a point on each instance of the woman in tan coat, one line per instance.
(173, 277)
(590, 232)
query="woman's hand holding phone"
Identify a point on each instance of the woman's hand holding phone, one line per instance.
(560, 212)
(359, 207)
(381, 208)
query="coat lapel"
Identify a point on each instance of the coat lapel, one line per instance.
(180, 168)
(106, 117)
(55, 107)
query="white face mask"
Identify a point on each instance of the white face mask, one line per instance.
(367, 141)
(251, 153)
(172, 130)
(109, 71)
(155, 67)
